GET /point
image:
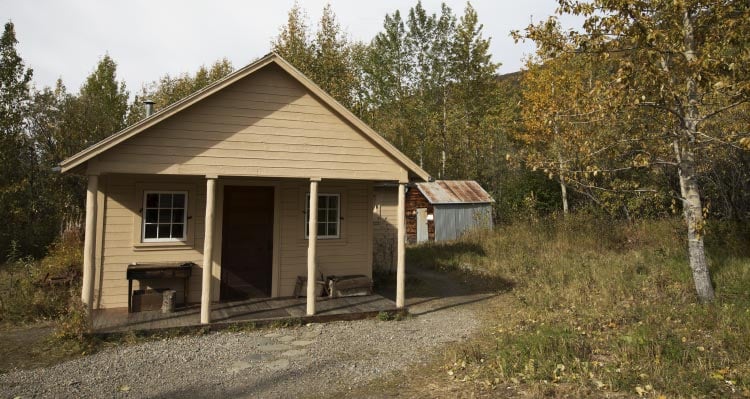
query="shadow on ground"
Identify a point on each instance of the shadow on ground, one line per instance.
(435, 282)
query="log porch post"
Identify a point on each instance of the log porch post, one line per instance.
(401, 250)
(208, 246)
(89, 244)
(312, 241)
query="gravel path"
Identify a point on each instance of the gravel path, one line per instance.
(316, 359)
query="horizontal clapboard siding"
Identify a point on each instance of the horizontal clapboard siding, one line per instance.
(351, 254)
(265, 125)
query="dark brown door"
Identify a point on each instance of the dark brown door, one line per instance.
(247, 242)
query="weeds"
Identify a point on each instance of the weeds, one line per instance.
(597, 307)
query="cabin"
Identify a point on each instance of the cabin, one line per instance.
(249, 184)
(443, 210)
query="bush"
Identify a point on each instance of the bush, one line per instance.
(26, 294)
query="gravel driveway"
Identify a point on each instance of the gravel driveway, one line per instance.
(316, 359)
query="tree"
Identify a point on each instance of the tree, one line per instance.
(98, 111)
(15, 151)
(327, 58)
(168, 89)
(682, 64)
(475, 94)
(293, 42)
(332, 63)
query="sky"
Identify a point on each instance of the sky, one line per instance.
(149, 38)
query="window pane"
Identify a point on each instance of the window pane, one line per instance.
(178, 215)
(332, 216)
(177, 230)
(165, 200)
(152, 200)
(150, 231)
(152, 215)
(164, 230)
(321, 215)
(332, 229)
(178, 201)
(322, 229)
(322, 201)
(165, 215)
(333, 202)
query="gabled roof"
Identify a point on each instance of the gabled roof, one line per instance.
(82, 157)
(454, 192)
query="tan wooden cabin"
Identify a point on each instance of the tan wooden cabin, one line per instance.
(225, 178)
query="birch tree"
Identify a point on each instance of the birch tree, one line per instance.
(684, 63)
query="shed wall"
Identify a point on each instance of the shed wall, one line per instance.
(451, 221)
(414, 200)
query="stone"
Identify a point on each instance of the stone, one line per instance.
(294, 353)
(238, 366)
(274, 347)
(286, 338)
(302, 343)
(257, 357)
(277, 365)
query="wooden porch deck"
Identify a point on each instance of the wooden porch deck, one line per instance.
(259, 311)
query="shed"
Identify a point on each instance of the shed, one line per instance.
(444, 209)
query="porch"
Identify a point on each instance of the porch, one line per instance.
(260, 311)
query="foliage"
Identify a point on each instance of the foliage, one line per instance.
(16, 157)
(677, 67)
(170, 89)
(327, 57)
(600, 308)
(25, 295)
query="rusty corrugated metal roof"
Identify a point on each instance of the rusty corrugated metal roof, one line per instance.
(454, 192)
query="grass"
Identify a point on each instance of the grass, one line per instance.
(595, 308)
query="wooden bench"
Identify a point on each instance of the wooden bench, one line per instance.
(159, 271)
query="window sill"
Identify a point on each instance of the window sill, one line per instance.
(162, 245)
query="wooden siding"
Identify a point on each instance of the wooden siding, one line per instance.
(384, 227)
(122, 197)
(414, 200)
(266, 125)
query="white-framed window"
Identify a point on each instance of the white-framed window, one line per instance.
(329, 215)
(164, 216)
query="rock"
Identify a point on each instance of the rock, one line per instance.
(277, 365)
(238, 366)
(294, 353)
(274, 347)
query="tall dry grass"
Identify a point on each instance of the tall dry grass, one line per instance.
(600, 307)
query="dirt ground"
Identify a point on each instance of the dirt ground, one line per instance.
(31, 346)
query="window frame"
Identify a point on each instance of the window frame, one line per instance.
(185, 218)
(306, 218)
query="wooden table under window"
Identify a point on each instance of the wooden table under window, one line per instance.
(159, 271)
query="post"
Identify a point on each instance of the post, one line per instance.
(311, 246)
(208, 246)
(401, 251)
(89, 244)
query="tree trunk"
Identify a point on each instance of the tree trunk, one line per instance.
(563, 185)
(564, 193)
(691, 200)
(693, 213)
